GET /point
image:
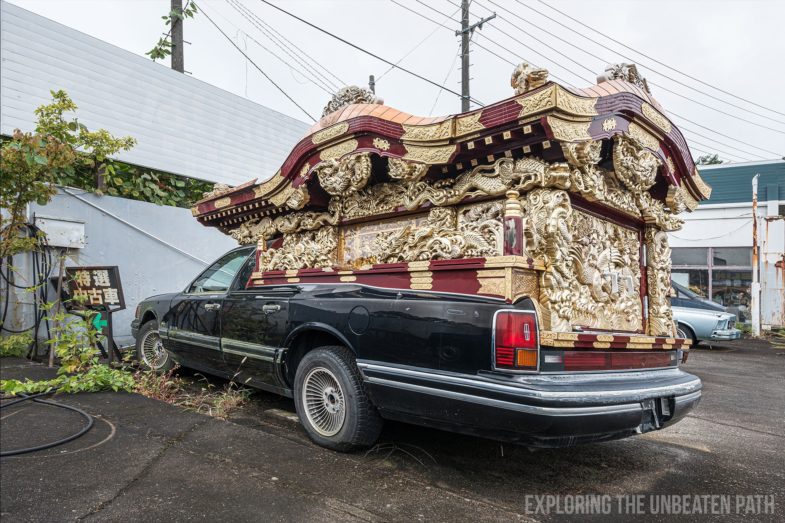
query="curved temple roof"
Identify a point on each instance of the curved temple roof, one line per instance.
(532, 123)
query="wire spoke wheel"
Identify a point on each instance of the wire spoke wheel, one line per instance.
(153, 353)
(324, 401)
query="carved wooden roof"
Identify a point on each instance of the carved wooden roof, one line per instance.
(534, 123)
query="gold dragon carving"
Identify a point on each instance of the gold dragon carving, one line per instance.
(309, 249)
(447, 234)
(526, 77)
(658, 269)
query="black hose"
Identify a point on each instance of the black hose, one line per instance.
(35, 398)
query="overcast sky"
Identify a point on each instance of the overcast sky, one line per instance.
(738, 46)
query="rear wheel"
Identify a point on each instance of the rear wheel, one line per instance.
(682, 331)
(150, 350)
(331, 401)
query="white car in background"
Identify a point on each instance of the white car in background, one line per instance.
(705, 325)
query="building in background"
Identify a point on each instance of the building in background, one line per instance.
(712, 254)
(182, 126)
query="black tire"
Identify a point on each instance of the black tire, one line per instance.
(148, 334)
(683, 331)
(324, 368)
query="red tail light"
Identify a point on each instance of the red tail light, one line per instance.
(515, 341)
(593, 361)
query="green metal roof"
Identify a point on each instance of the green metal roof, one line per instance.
(732, 183)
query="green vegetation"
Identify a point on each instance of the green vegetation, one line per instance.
(15, 345)
(74, 342)
(164, 46)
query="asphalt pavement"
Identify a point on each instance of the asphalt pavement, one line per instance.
(148, 461)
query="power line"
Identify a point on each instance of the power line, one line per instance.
(449, 72)
(599, 86)
(317, 78)
(365, 51)
(674, 114)
(628, 58)
(650, 68)
(647, 56)
(420, 42)
(281, 41)
(256, 66)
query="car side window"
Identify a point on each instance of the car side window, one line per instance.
(245, 273)
(220, 274)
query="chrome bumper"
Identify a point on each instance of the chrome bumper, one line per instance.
(726, 334)
(541, 410)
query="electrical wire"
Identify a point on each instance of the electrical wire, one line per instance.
(365, 51)
(449, 72)
(318, 79)
(255, 65)
(419, 43)
(643, 54)
(309, 79)
(651, 69)
(61, 441)
(599, 86)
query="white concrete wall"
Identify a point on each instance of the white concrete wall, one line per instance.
(158, 249)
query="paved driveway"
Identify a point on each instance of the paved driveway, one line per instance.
(149, 461)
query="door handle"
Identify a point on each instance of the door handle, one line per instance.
(270, 308)
(212, 306)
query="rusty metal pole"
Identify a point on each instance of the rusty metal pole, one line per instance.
(755, 290)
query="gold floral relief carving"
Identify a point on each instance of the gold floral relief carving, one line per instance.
(338, 150)
(405, 170)
(468, 124)
(609, 124)
(263, 189)
(643, 136)
(329, 133)
(381, 144)
(574, 104)
(220, 203)
(656, 117)
(670, 164)
(567, 130)
(658, 267)
(423, 133)
(280, 198)
(537, 102)
(429, 155)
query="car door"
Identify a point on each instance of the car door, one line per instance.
(253, 324)
(191, 329)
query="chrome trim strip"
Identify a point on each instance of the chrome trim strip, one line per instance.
(247, 346)
(194, 338)
(530, 409)
(252, 355)
(523, 384)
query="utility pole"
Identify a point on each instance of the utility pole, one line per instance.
(178, 60)
(465, 33)
(755, 288)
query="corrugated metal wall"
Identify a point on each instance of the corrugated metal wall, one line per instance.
(182, 124)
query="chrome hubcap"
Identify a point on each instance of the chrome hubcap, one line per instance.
(153, 353)
(324, 402)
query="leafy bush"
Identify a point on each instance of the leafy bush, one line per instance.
(15, 345)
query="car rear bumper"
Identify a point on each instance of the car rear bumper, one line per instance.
(537, 410)
(726, 334)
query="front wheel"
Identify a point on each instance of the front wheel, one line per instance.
(331, 401)
(682, 331)
(150, 350)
